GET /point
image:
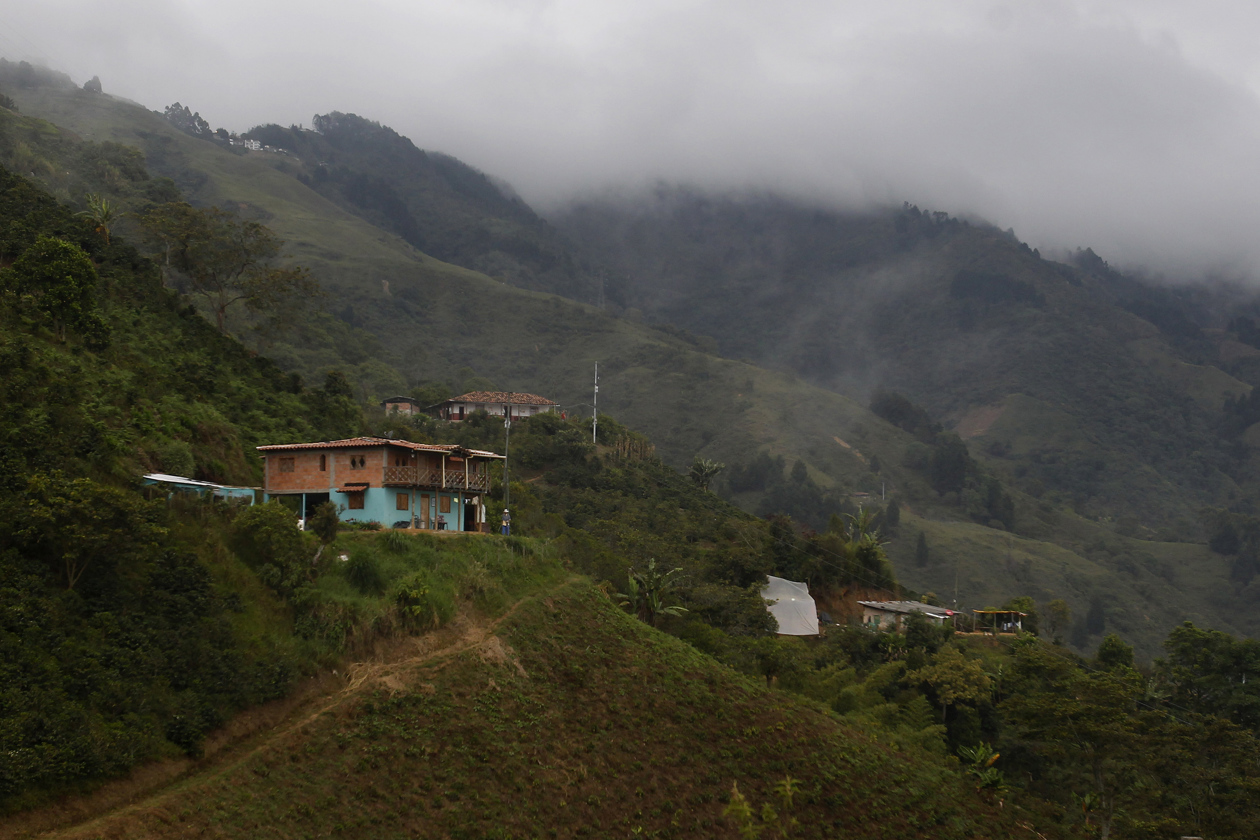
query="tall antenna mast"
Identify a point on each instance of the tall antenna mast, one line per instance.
(595, 406)
(507, 439)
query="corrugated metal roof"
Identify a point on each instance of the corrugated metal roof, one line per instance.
(363, 442)
(166, 478)
(907, 607)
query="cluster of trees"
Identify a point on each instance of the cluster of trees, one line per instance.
(1246, 329)
(944, 459)
(1241, 412)
(913, 224)
(226, 260)
(798, 496)
(116, 645)
(1237, 536)
(1094, 744)
(186, 121)
(56, 280)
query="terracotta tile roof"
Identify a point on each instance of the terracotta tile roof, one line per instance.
(360, 442)
(511, 397)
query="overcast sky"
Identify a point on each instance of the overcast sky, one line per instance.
(1133, 127)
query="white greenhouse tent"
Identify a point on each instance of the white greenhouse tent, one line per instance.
(791, 606)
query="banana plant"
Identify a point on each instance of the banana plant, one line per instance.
(647, 591)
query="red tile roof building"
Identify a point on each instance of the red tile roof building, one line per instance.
(493, 402)
(394, 482)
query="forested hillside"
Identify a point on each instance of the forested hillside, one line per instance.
(1095, 391)
(440, 205)
(119, 642)
(1031, 495)
(134, 626)
(522, 682)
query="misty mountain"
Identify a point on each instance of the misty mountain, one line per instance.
(999, 516)
(1093, 389)
(440, 205)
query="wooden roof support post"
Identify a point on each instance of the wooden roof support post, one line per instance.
(444, 472)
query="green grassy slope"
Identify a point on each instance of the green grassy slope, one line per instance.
(567, 719)
(402, 318)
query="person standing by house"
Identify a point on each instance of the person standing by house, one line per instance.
(507, 522)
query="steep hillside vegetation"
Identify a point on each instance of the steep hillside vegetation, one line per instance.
(1090, 389)
(440, 205)
(566, 718)
(487, 690)
(118, 641)
(401, 321)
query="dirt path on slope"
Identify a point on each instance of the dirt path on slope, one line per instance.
(395, 667)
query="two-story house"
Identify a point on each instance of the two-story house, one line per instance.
(497, 403)
(394, 482)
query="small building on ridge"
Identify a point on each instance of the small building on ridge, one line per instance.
(496, 403)
(401, 405)
(885, 615)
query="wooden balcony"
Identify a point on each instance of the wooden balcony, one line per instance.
(416, 477)
(405, 476)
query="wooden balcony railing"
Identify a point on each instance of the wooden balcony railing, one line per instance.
(416, 477)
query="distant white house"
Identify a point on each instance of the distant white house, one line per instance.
(493, 402)
(401, 405)
(891, 615)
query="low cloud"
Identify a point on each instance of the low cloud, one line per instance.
(1131, 128)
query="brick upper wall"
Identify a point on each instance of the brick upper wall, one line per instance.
(308, 478)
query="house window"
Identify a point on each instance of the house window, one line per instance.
(323, 463)
(444, 504)
(357, 463)
(355, 500)
(403, 501)
(286, 464)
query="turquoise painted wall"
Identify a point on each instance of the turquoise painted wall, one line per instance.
(380, 505)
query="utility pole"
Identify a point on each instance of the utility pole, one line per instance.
(956, 562)
(507, 439)
(595, 406)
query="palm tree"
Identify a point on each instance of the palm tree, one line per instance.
(703, 471)
(100, 212)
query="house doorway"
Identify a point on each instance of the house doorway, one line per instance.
(311, 503)
(470, 516)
